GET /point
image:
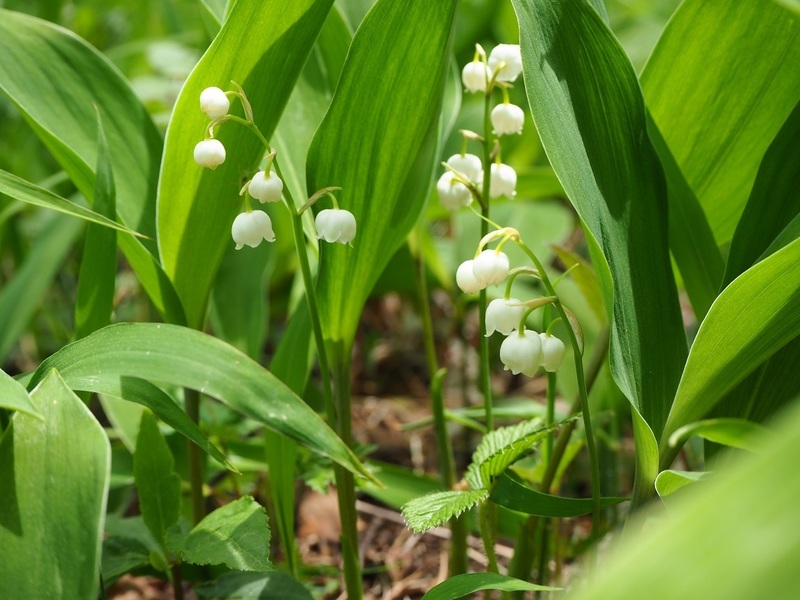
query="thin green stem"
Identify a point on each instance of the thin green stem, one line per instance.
(195, 457)
(486, 383)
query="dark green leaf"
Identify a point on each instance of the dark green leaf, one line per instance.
(468, 583)
(127, 545)
(254, 586)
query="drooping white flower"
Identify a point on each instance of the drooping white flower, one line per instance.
(336, 225)
(466, 280)
(490, 267)
(552, 352)
(249, 228)
(452, 193)
(209, 153)
(474, 76)
(467, 164)
(521, 352)
(214, 103)
(507, 119)
(510, 56)
(265, 187)
(504, 181)
(503, 315)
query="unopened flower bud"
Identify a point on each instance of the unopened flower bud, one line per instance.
(552, 352)
(521, 352)
(249, 228)
(504, 181)
(336, 225)
(507, 119)
(452, 193)
(467, 164)
(503, 315)
(265, 187)
(209, 153)
(466, 280)
(214, 103)
(474, 76)
(510, 56)
(490, 267)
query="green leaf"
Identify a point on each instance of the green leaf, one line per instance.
(737, 433)
(183, 357)
(13, 396)
(668, 482)
(20, 298)
(378, 142)
(512, 493)
(236, 535)
(55, 473)
(127, 544)
(731, 67)
(196, 206)
(27, 192)
(585, 99)
(94, 300)
(158, 485)
(751, 319)
(468, 583)
(436, 509)
(254, 586)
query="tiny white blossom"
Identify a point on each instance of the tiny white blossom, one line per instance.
(490, 267)
(336, 225)
(521, 352)
(209, 153)
(552, 352)
(474, 76)
(214, 103)
(466, 280)
(507, 119)
(265, 187)
(452, 193)
(504, 181)
(249, 228)
(503, 315)
(510, 56)
(467, 164)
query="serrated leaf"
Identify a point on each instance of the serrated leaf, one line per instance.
(236, 535)
(436, 509)
(468, 583)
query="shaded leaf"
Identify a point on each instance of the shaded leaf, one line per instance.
(254, 586)
(468, 583)
(737, 433)
(13, 396)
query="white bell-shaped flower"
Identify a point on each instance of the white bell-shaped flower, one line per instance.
(265, 187)
(452, 193)
(490, 267)
(214, 103)
(510, 56)
(552, 352)
(209, 153)
(474, 76)
(336, 225)
(504, 181)
(507, 119)
(249, 228)
(466, 280)
(521, 352)
(503, 315)
(467, 164)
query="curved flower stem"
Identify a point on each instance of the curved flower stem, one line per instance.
(486, 384)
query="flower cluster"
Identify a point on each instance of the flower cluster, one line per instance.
(250, 227)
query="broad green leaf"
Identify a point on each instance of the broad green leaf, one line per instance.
(58, 81)
(512, 493)
(187, 358)
(254, 586)
(588, 109)
(127, 544)
(262, 47)
(469, 583)
(729, 66)
(586, 279)
(735, 536)
(94, 298)
(668, 482)
(158, 485)
(737, 433)
(752, 319)
(27, 192)
(13, 396)
(20, 297)
(236, 535)
(436, 509)
(55, 474)
(378, 142)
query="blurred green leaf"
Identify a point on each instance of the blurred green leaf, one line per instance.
(668, 482)
(236, 535)
(158, 485)
(737, 433)
(14, 396)
(262, 47)
(254, 586)
(188, 358)
(55, 473)
(585, 99)
(378, 143)
(469, 583)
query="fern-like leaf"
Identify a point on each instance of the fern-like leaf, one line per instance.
(435, 509)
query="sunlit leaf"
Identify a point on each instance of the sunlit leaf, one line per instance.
(432, 510)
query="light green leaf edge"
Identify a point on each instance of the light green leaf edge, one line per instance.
(736, 433)
(14, 396)
(469, 583)
(670, 481)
